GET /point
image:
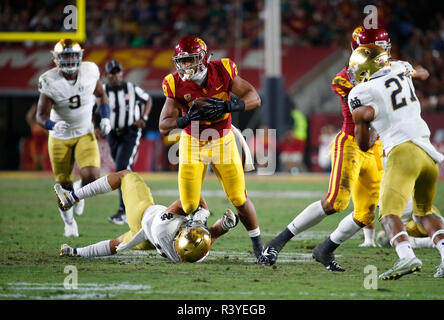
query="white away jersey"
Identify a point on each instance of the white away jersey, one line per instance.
(160, 227)
(73, 103)
(397, 109)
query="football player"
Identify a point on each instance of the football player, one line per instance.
(207, 137)
(174, 234)
(355, 174)
(385, 100)
(67, 97)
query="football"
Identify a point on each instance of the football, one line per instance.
(201, 102)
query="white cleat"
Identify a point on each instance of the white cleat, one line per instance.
(71, 229)
(65, 197)
(368, 245)
(79, 206)
(439, 271)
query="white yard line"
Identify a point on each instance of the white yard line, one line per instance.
(251, 193)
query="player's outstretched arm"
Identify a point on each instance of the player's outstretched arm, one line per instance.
(105, 124)
(420, 73)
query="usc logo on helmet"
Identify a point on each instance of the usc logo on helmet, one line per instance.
(359, 30)
(202, 44)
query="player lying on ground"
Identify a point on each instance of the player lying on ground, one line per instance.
(175, 235)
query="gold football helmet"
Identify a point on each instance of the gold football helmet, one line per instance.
(192, 242)
(67, 55)
(365, 61)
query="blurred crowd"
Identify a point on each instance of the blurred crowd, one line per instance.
(416, 28)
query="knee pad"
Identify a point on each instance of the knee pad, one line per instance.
(238, 200)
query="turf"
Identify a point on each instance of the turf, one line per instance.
(31, 232)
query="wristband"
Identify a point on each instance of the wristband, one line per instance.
(145, 118)
(182, 122)
(104, 110)
(49, 124)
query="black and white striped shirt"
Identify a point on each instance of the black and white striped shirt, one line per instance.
(126, 104)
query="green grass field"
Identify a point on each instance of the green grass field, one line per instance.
(31, 232)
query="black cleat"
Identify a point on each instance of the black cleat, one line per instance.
(327, 259)
(118, 218)
(335, 267)
(268, 257)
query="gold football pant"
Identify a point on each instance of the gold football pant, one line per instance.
(194, 157)
(83, 150)
(136, 197)
(409, 170)
(357, 175)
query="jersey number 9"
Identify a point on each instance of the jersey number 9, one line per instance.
(74, 102)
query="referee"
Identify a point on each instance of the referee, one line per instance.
(130, 107)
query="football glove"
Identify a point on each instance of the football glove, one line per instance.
(105, 126)
(233, 105)
(201, 215)
(60, 127)
(192, 115)
(229, 220)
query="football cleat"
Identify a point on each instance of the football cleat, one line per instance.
(439, 271)
(229, 220)
(367, 244)
(382, 241)
(66, 198)
(335, 267)
(71, 229)
(268, 256)
(119, 218)
(79, 206)
(401, 268)
(67, 251)
(327, 259)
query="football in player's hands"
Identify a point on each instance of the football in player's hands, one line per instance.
(210, 110)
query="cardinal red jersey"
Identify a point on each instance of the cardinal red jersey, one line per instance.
(218, 85)
(341, 86)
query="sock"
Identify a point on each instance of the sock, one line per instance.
(255, 236)
(67, 216)
(328, 245)
(440, 247)
(404, 250)
(308, 218)
(345, 230)
(281, 239)
(421, 242)
(369, 235)
(99, 186)
(98, 249)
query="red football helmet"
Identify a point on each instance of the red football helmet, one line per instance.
(191, 58)
(377, 36)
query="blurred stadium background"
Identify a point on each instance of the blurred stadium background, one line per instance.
(141, 35)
